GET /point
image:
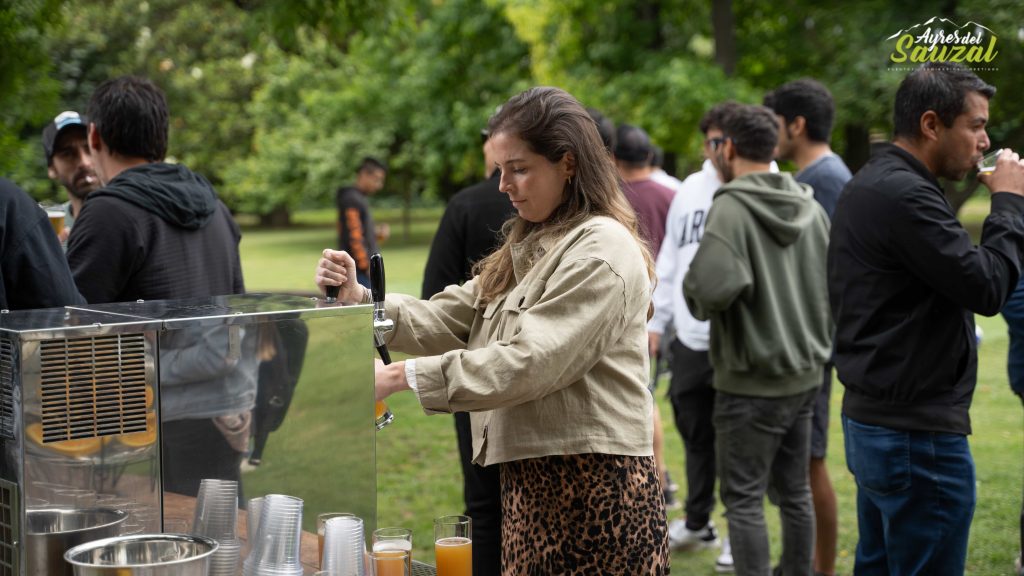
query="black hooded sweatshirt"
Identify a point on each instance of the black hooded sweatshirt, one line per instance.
(155, 231)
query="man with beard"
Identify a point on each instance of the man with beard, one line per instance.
(804, 109)
(68, 162)
(905, 281)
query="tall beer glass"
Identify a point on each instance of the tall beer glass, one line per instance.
(453, 545)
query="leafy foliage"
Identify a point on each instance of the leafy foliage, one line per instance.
(277, 101)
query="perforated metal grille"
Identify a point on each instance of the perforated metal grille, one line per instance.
(93, 386)
(8, 528)
(6, 388)
(420, 569)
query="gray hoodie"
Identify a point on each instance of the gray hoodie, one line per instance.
(759, 277)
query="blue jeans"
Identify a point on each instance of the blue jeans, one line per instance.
(915, 500)
(1013, 313)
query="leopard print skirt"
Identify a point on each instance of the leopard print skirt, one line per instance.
(583, 514)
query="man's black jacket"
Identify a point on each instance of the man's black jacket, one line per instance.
(905, 281)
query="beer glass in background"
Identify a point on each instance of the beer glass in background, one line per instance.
(390, 563)
(393, 540)
(56, 216)
(453, 545)
(321, 525)
(382, 416)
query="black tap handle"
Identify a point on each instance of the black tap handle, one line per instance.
(377, 277)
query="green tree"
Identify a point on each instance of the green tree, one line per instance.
(641, 62)
(27, 93)
(416, 95)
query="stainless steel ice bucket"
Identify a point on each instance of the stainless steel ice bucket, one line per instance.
(52, 531)
(143, 555)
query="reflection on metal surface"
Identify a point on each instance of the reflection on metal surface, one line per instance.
(107, 406)
(51, 532)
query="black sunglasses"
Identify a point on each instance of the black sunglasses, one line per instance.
(714, 143)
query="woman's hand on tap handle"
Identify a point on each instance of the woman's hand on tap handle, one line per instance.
(337, 268)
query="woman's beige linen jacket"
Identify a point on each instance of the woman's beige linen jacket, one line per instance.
(558, 365)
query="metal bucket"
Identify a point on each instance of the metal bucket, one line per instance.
(144, 555)
(51, 531)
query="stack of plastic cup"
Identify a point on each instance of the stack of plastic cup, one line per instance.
(253, 517)
(344, 547)
(274, 551)
(215, 517)
(216, 509)
(224, 561)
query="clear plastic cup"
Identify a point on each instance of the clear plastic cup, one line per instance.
(987, 164)
(321, 524)
(224, 561)
(253, 509)
(344, 547)
(275, 547)
(216, 512)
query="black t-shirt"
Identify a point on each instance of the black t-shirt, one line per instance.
(357, 234)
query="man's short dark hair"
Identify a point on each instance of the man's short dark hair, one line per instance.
(131, 116)
(753, 131)
(938, 86)
(371, 163)
(605, 127)
(633, 146)
(808, 98)
(713, 117)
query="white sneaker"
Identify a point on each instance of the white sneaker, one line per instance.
(723, 564)
(682, 538)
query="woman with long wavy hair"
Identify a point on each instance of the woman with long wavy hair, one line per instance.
(547, 349)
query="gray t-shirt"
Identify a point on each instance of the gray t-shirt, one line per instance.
(827, 176)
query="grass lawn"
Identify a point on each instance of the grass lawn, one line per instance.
(418, 476)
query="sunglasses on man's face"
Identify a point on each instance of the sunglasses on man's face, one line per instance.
(714, 143)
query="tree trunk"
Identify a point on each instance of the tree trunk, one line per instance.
(725, 35)
(279, 217)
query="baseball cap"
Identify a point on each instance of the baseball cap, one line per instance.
(53, 129)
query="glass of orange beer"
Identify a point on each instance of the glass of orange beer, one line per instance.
(453, 545)
(321, 527)
(390, 562)
(56, 216)
(393, 539)
(383, 415)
